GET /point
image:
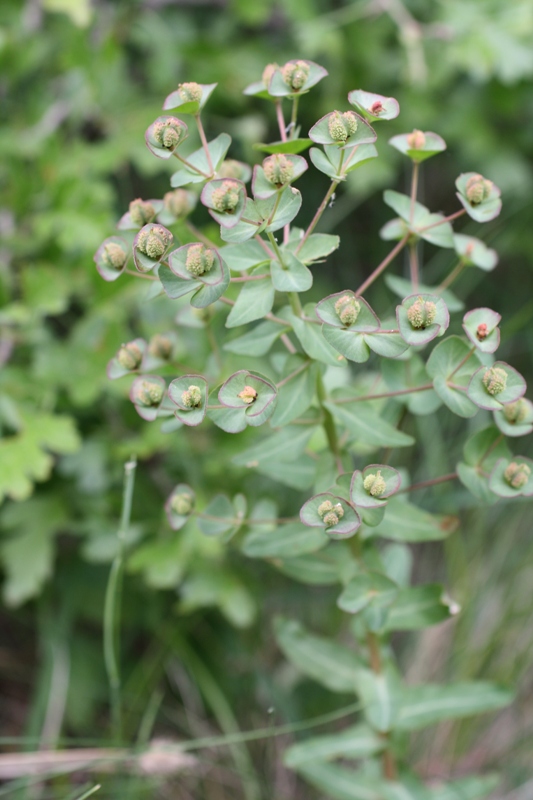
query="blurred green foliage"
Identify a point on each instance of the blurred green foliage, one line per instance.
(79, 84)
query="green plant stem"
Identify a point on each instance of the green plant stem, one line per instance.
(450, 218)
(191, 166)
(384, 264)
(383, 395)
(281, 121)
(329, 423)
(264, 245)
(112, 604)
(140, 275)
(388, 763)
(316, 218)
(294, 299)
(294, 116)
(431, 482)
(414, 190)
(456, 271)
(489, 450)
(245, 278)
(413, 265)
(275, 208)
(201, 131)
(461, 363)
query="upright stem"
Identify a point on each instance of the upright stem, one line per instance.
(281, 121)
(204, 142)
(294, 115)
(112, 604)
(317, 216)
(294, 299)
(456, 271)
(390, 771)
(414, 190)
(384, 264)
(413, 265)
(329, 424)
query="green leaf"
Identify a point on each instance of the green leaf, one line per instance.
(514, 388)
(243, 256)
(367, 588)
(486, 210)
(219, 507)
(351, 344)
(403, 287)
(405, 522)
(25, 457)
(283, 446)
(432, 144)
(313, 342)
(322, 163)
(440, 234)
(358, 741)
(330, 664)
(258, 341)
(472, 788)
(161, 563)
(365, 425)
(341, 783)
(295, 277)
(298, 474)
(380, 694)
(286, 541)
(255, 299)
(295, 396)
(316, 247)
(419, 607)
(400, 375)
(326, 568)
(475, 252)
(286, 208)
(431, 703)
(290, 146)
(447, 360)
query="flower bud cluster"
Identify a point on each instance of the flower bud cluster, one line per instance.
(341, 126)
(279, 170)
(374, 484)
(191, 92)
(141, 212)
(347, 309)
(200, 260)
(182, 504)
(114, 256)
(148, 393)
(226, 197)
(129, 356)
(495, 380)
(160, 346)
(248, 395)
(169, 132)
(477, 189)
(295, 74)
(416, 140)
(192, 397)
(516, 412)
(230, 168)
(422, 313)
(154, 241)
(330, 514)
(177, 203)
(482, 331)
(517, 475)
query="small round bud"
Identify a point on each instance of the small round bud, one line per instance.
(341, 126)
(495, 380)
(177, 203)
(477, 189)
(192, 398)
(191, 92)
(169, 132)
(469, 249)
(422, 313)
(226, 197)
(141, 212)
(182, 504)
(347, 309)
(114, 256)
(230, 168)
(278, 169)
(248, 394)
(482, 331)
(129, 356)
(148, 393)
(199, 260)
(160, 346)
(517, 475)
(268, 71)
(154, 241)
(416, 140)
(324, 507)
(295, 74)
(374, 484)
(516, 412)
(330, 519)
(377, 108)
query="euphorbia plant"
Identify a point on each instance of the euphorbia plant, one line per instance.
(309, 395)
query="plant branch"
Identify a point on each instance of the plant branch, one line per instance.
(432, 482)
(461, 363)
(296, 372)
(316, 218)
(384, 264)
(190, 166)
(281, 121)
(456, 271)
(329, 424)
(141, 275)
(201, 131)
(442, 221)
(384, 395)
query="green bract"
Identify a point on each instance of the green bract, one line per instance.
(418, 145)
